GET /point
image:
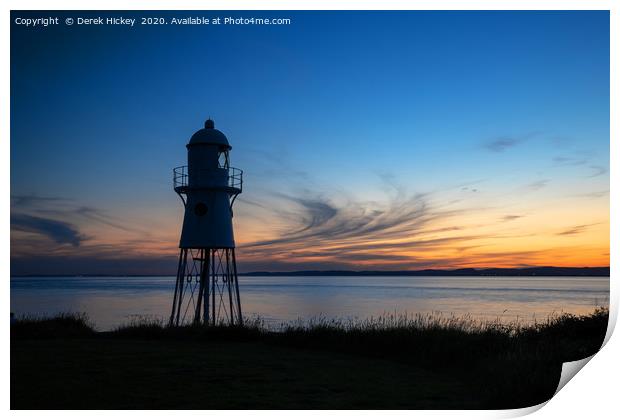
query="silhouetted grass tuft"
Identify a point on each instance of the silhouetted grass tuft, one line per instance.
(58, 326)
(154, 328)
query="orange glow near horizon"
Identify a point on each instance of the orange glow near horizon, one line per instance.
(408, 234)
(554, 234)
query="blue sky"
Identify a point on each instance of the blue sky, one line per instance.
(336, 108)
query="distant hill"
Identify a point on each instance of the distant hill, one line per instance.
(529, 271)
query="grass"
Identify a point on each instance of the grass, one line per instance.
(65, 325)
(423, 361)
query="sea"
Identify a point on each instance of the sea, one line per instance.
(110, 302)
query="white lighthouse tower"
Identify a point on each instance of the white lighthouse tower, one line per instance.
(207, 288)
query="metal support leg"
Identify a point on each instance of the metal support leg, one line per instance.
(236, 280)
(181, 285)
(201, 287)
(205, 310)
(176, 288)
(229, 279)
(213, 281)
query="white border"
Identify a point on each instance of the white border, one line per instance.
(310, 5)
(591, 395)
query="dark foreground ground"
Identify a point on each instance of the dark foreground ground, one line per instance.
(423, 363)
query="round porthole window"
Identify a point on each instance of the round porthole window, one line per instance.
(200, 209)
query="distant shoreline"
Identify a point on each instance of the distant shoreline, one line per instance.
(461, 272)
(497, 272)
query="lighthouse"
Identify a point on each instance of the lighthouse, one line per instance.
(207, 287)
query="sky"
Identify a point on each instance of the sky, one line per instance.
(368, 140)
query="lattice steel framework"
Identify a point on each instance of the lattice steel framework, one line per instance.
(207, 288)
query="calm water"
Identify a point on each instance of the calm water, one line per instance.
(111, 301)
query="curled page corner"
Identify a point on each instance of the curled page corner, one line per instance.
(611, 323)
(570, 369)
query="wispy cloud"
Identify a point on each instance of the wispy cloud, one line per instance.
(59, 221)
(33, 199)
(59, 231)
(593, 194)
(353, 233)
(510, 217)
(501, 144)
(569, 161)
(62, 208)
(316, 213)
(575, 230)
(96, 215)
(474, 190)
(321, 220)
(537, 185)
(598, 170)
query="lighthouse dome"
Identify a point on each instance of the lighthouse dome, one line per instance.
(210, 135)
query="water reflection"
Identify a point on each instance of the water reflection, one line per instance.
(111, 301)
